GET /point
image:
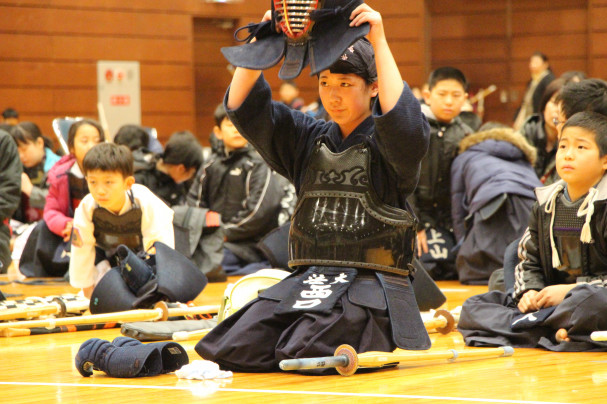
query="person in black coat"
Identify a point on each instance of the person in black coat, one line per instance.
(431, 200)
(238, 185)
(559, 294)
(170, 177)
(540, 130)
(10, 193)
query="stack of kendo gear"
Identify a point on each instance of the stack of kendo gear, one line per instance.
(127, 357)
(166, 275)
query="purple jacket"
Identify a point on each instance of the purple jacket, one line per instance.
(57, 208)
(491, 163)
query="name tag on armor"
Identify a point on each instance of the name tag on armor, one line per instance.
(317, 290)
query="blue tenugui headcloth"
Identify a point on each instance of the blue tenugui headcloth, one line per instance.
(314, 32)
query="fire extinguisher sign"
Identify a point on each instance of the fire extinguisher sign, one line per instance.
(120, 100)
(118, 94)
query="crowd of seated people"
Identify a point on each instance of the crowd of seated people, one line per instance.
(474, 181)
(241, 197)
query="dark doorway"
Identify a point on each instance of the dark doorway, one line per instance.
(211, 71)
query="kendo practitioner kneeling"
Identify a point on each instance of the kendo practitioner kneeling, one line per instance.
(352, 234)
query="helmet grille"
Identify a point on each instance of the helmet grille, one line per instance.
(293, 16)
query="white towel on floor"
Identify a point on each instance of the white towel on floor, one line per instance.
(202, 370)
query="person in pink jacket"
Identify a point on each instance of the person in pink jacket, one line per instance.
(67, 183)
(46, 251)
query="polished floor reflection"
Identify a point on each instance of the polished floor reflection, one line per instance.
(40, 369)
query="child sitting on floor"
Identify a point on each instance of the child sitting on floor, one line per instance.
(117, 211)
(170, 176)
(445, 97)
(46, 252)
(242, 188)
(37, 159)
(352, 233)
(559, 293)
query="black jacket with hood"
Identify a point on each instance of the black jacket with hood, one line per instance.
(432, 198)
(246, 192)
(537, 271)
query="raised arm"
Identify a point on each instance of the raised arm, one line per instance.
(389, 79)
(243, 79)
(241, 85)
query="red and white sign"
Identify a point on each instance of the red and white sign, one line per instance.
(117, 100)
(118, 93)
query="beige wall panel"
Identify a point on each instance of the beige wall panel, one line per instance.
(408, 52)
(547, 5)
(22, 46)
(166, 76)
(599, 18)
(409, 27)
(28, 100)
(68, 101)
(599, 44)
(163, 101)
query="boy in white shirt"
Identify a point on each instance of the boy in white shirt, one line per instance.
(117, 211)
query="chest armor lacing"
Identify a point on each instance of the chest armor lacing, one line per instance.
(340, 221)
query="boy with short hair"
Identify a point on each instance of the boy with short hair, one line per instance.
(117, 211)
(242, 188)
(559, 294)
(585, 95)
(170, 176)
(445, 97)
(132, 136)
(352, 234)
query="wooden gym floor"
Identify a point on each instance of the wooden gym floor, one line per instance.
(36, 369)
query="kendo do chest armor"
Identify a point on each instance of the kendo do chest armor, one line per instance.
(112, 230)
(340, 221)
